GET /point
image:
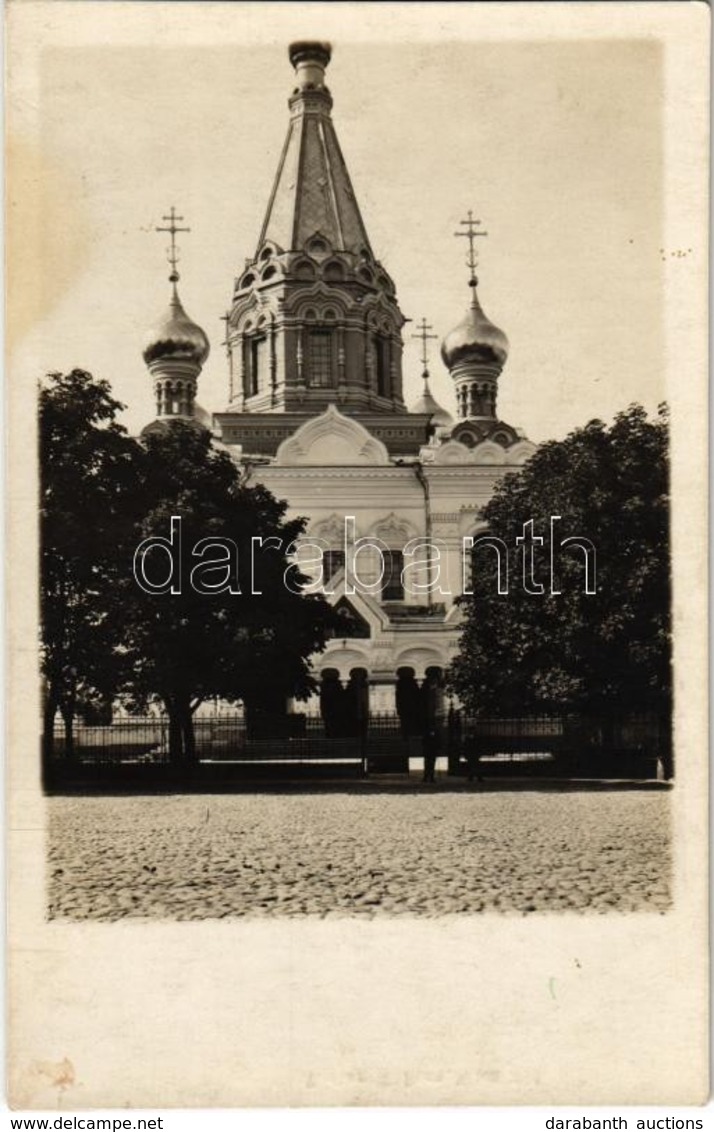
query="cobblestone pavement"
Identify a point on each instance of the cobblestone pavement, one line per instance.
(344, 854)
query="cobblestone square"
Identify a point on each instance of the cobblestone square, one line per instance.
(426, 853)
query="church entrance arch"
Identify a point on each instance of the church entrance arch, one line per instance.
(420, 703)
(344, 705)
(408, 697)
(356, 703)
(331, 702)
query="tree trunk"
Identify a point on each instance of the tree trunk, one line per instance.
(48, 728)
(189, 735)
(68, 720)
(666, 743)
(175, 735)
(182, 741)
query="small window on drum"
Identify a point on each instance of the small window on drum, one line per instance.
(257, 363)
(320, 358)
(380, 355)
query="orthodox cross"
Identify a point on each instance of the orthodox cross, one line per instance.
(471, 233)
(424, 327)
(172, 253)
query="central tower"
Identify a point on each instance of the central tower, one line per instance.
(314, 317)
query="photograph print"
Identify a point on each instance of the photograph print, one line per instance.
(355, 428)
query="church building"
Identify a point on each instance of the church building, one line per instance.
(315, 411)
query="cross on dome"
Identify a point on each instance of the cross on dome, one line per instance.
(471, 234)
(172, 252)
(426, 403)
(176, 347)
(423, 329)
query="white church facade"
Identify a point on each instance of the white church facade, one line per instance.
(315, 412)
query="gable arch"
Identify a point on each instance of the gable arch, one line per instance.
(420, 658)
(489, 453)
(319, 298)
(330, 440)
(453, 452)
(520, 452)
(393, 530)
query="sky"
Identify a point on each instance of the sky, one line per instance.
(555, 144)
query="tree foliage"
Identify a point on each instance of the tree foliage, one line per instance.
(103, 636)
(88, 471)
(191, 646)
(605, 654)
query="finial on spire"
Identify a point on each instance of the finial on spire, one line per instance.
(423, 328)
(310, 58)
(172, 252)
(471, 233)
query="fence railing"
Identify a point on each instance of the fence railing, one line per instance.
(145, 740)
(137, 741)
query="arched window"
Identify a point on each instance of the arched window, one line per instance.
(317, 247)
(304, 270)
(334, 272)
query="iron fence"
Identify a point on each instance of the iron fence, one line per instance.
(226, 738)
(382, 744)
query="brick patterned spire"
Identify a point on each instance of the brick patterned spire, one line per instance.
(312, 194)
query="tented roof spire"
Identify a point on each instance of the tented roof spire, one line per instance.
(312, 194)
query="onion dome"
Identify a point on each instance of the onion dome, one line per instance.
(427, 404)
(474, 337)
(176, 336)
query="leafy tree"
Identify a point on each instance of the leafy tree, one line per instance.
(605, 654)
(88, 468)
(192, 645)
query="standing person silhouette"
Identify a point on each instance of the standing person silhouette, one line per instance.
(431, 751)
(430, 734)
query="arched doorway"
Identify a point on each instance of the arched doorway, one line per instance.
(420, 702)
(409, 702)
(344, 707)
(331, 693)
(356, 703)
